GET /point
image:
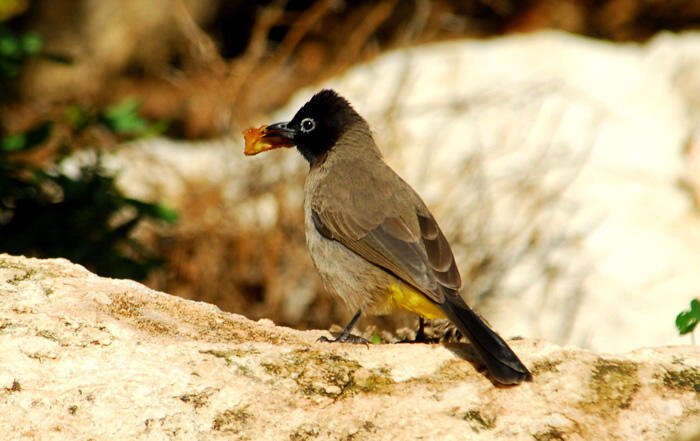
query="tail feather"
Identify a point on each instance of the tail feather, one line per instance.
(500, 360)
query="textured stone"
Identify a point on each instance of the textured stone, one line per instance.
(85, 357)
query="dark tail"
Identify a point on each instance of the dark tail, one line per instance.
(501, 361)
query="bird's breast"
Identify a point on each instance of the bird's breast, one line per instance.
(359, 283)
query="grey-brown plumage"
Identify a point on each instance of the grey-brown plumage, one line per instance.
(367, 230)
(353, 198)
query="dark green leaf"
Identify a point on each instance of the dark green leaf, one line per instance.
(155, 211)
(123, 117)
(13, 143)
(157, 128)
(165, 214)
(31, 43)
(8, 69)
(686, 321)
(76, 116)
(9, 46)
(28, 139)
(122, 109)
(695, 307)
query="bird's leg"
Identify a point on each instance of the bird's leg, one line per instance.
(346, 336)
(420, 335)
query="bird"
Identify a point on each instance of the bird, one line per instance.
(371, 237)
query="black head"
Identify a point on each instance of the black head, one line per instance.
(318, 124)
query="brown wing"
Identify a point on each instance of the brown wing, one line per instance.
(378, 216)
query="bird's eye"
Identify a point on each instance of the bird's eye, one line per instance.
(307, 125)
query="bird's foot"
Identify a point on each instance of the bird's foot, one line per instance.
(420, 334)
(421, 339)
(345, 338)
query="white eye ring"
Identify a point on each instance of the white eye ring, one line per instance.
(307, 125)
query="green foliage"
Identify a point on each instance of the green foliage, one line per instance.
(26, 140)
(124, 118)
(687, 320)
(15, 49)
(155, 211)
(83, 218)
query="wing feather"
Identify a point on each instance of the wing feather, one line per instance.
(389, 225)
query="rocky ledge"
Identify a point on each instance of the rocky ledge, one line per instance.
(86, 357)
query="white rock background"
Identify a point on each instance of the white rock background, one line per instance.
(617, 127)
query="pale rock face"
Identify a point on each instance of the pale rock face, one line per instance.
(85, 357)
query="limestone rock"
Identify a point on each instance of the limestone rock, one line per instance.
(85, 357)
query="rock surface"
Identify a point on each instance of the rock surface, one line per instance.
(84, 357)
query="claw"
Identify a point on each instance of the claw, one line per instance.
(345, 338)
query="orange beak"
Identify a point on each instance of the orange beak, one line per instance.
(267, 138)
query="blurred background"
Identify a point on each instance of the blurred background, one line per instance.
(557, 143)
